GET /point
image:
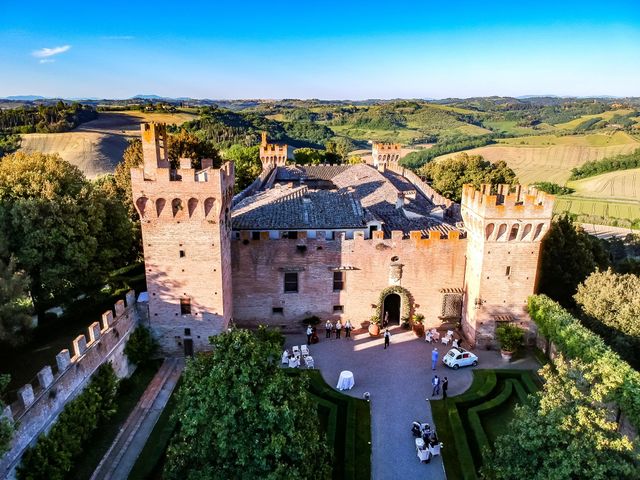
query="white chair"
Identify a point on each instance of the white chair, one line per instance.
(309, 362)
(449, 333)
(423, 455)
(304, 349)
(285, 357)
(435, 450)
(420, 445)
(446, 340)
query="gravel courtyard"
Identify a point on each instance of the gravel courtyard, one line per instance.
(399, 381)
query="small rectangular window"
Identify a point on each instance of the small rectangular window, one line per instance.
(291, 235)
(338, 308)
(187, 332)
(182, 254)
(279, 310)
(291, 282)
(255, 235)
(338, 281)
(508, 271)
(185, 306)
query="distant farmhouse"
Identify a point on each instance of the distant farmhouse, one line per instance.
(334, 241)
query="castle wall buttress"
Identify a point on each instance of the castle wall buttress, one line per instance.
(505, 231)
(186, 224)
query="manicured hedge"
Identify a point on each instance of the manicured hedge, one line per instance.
(577, 342)
(53, 455)
(459, 419)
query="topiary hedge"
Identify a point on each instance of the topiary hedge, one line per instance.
(406, 302)
(577, 342)
(54, 454)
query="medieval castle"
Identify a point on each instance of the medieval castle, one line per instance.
(335, 241)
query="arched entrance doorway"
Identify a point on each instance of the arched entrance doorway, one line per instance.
(391, 310)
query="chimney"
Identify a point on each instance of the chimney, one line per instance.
(185, 163)
(400, 200)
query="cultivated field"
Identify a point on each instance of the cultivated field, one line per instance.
(598, 207)
(620, 185)
(96, 147)
(550, 158)
(608, 115)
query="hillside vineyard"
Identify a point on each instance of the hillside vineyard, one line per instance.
(335, 241)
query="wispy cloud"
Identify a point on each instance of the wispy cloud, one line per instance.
(47, 60)
(50, 52)
(118, 37)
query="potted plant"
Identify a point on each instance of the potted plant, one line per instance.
(374, 326)
(510, 338)
(404, 323)
(418, 325)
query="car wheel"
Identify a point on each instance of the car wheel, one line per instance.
(475, 363)
(455, 366)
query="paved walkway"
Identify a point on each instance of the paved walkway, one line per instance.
(399, 381)
(123, 453)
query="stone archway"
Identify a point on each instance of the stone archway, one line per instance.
(391, 310)
(405, 303)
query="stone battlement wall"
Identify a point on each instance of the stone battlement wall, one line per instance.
(521, 201)
(452, 209)
(39, 405)
(421, 238)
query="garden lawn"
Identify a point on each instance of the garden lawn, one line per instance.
(129, 392)
(469, 423)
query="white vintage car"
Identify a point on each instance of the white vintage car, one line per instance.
(459, 357)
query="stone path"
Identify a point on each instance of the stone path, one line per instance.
(123, 453)
(399, 381)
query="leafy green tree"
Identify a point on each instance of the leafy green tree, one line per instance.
(186, 144)
(568, 256)
(242, 416)
(15, 304)
(6, 427)
(565, 432)
(247, 164)
(141, 346)
(447, 176)
(60, 227)
(131, 158)
(340, 146)
(311, 156)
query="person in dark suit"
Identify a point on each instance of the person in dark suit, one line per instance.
(445, 385)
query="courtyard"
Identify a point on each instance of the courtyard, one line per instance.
(398, 380)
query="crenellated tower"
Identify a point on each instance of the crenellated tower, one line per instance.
(384, 153)
(273, 154)
(186, 227)
(505, 228)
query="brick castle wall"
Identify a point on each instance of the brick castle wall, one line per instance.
(426, 265)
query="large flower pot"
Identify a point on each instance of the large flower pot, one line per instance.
(374, 329)
(506, 355)
(418, 329)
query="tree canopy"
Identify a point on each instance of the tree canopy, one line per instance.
(241, 416)
(447, 176)
(312, 156)
(565, 432)
(247, 164)
(63, 230)
(568, 256)
(15, 304)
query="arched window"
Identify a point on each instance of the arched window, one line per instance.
(141, 205)
(208, 206)
(192, 205)
(489, 230)
(538, 231)
(160, 203)
(514, 232)
(502, 230)
(526, 232)
(176, 206)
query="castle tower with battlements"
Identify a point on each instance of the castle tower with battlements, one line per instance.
(274, 155)
(185, 216)
(385, 153)
(505, 227)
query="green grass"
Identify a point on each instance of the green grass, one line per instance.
(598, 207)
(151, 460)
(469, 423)
(130, 391)
(345, 420)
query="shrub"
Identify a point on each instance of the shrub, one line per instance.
(510, 337)
(141, 346)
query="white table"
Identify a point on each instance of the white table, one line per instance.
(345, 382)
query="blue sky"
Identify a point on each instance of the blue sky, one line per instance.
(329, 49)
